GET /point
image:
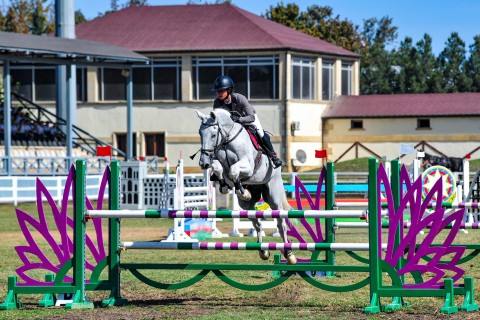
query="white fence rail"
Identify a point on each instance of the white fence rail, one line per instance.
(17, 189)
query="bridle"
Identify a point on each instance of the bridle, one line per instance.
(224, 138)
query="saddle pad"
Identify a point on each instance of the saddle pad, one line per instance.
(253, 137)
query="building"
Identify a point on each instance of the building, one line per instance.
(377, 125)
(290, 78)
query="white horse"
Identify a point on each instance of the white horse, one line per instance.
(228, 150)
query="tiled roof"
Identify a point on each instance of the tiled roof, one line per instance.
(405, 105)
(186, 28)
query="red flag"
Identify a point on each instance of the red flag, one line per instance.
(104, 151)
(321, 154)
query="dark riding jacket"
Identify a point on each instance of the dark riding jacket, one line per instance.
(239, 104)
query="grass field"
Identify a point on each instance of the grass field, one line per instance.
(211, 298)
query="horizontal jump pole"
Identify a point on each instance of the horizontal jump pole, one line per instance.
(195, 214)
(235, 246)
(407, 224)
(450, 205)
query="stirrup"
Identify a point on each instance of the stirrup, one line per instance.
(277, 162)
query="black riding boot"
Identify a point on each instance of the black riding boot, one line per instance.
(267, 144)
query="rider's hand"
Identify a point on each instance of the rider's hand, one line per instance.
(235, 118)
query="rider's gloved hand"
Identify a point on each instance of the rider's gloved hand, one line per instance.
(235, 118)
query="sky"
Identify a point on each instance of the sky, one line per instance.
(414, 18)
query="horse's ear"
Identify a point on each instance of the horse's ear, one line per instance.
(213, 115)
(202, 116)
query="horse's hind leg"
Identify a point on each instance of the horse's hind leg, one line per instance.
(282, 228)
(264, 254)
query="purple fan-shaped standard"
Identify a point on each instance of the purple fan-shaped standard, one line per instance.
(56, 236)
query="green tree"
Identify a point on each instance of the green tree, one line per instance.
(406, 62)
(136, 3)
(42, 18)
(378, 74)
(114, 5)
(451, 62)
(79, 17)
(428, 74)
(288, 15)
(472, 68)
(18, 16)
(2, 21)
(208, 2)
(317, 21)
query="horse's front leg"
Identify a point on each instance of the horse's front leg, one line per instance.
(217, 170)
(282, 228)
(264, 254)
(242, 167)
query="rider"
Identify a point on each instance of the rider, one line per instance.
(242, 112)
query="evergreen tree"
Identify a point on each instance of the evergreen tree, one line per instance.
(472, 68)
(406, 62)
(377, 74)
(79, 17)
(451, 62)
(41, 20)
(428, 75)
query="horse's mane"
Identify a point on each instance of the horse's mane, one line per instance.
(222, 115)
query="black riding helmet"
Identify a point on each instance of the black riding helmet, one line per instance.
(222, 83)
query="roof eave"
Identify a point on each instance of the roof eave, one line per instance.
(154, 51)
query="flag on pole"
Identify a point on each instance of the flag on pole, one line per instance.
(321, 154)
(407, 148)
(104, 151)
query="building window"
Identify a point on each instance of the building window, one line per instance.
(38, 83)
(121, 139)
(303, 78)
(327, 80)
(356, 124)
(81, 84)
(112, 84)
(254, 77)
(423, 124)
(347, 79)
(155, 144)
(160, 80)
(22, 81)
(44, 84)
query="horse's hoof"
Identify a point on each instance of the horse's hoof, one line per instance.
(246, 196)
(291, 259)
(264, 255)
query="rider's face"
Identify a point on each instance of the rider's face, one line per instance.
(222, 94)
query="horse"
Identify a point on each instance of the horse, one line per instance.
(452, 163)
(226, 148)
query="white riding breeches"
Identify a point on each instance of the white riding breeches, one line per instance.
(258, 125)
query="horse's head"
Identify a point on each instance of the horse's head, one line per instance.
(212, 134)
